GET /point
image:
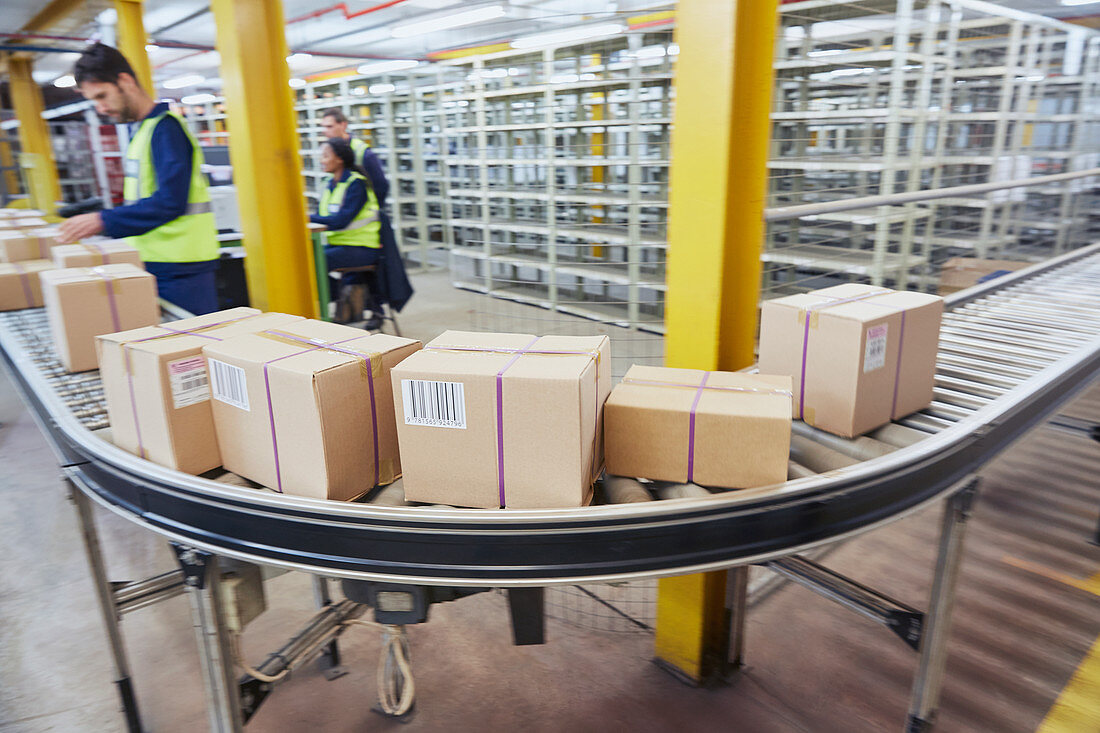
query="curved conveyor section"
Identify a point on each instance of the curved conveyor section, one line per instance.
(1011, 352)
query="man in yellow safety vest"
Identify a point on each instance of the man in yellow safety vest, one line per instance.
(167, 215)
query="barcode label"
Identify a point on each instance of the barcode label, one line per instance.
(436, 404)
(874, 353)
(228, 384)
(189, 382)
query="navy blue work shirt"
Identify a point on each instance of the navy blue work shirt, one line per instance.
(172, 158)
(355, 198)
(372, 166)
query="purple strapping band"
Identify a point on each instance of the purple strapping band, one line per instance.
(104, 256)
(315, 346)
(516, 354)
(109, 282)
(174, 332)
(806, 342)
(27, 292)
(695, 404)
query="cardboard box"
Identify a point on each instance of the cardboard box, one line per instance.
(20, 245)
(19, 284)
(20, 213)
(960, 273)
(860, 356)
(24, 222)
(84, 302)
(94, 254)
(722, 429)
(157, 389)
(493, 419)
(306, 409)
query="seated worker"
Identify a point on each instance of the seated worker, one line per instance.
(167, 216)
(350, 210)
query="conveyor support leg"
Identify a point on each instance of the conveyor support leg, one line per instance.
(701, 625)
(107, 607)
(933, 648)
(203, 579)
(330, 657)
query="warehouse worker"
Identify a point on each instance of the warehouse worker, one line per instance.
(335, 125)
(349, 209)
(391, 284)
(167, 215)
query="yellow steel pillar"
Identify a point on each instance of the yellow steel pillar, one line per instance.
(7, 161)
(716, 229)
(263, 146)
(131, 41)
(36, 158)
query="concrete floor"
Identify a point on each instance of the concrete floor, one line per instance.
(1021, 628)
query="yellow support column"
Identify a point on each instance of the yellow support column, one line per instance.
(263, 146)
(11, 175)
(132, 40)
(34, 136)
(716, 229)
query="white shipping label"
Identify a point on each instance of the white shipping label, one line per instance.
(874, 354)
(189, 382)
(436, 404)
(228, 384)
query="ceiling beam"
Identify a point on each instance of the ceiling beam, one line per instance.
(54, 12)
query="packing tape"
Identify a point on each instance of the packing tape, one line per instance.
(699, 389)
(28, 292)
(516, 354)
(97, 249)
(369, 358)
(110, 286)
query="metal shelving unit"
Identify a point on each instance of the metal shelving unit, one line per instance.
(887, 97)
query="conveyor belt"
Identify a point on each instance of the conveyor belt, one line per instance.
(1011, 352)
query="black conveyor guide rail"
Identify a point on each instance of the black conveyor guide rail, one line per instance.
(1051, 310)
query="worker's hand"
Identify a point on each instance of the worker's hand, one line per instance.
(80, 227)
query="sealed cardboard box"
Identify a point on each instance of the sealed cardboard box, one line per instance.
(18, 245)
(19, 284)
(84, 302)
(859, 355)
(22, 222)
(960, 273)
(723, 429)
(158, 391)
(93, 254)
(307, 409)
(20, 213)
(503, 420)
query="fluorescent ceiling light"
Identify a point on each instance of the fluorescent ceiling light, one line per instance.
(381, 67)
(297, 83)
(297, 58)
(573, 34)
(64, 81)
(455, 20)
(183, 81)
(1078, 2)
(381, 88)
(150, 47)
(198, 98)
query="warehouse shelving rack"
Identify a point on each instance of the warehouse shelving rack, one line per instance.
(885, 97)
(72, 152)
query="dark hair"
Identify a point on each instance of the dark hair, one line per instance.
(334, 114)
(342, 149)
(102, 63)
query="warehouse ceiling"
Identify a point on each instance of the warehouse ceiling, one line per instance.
(327, 36)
